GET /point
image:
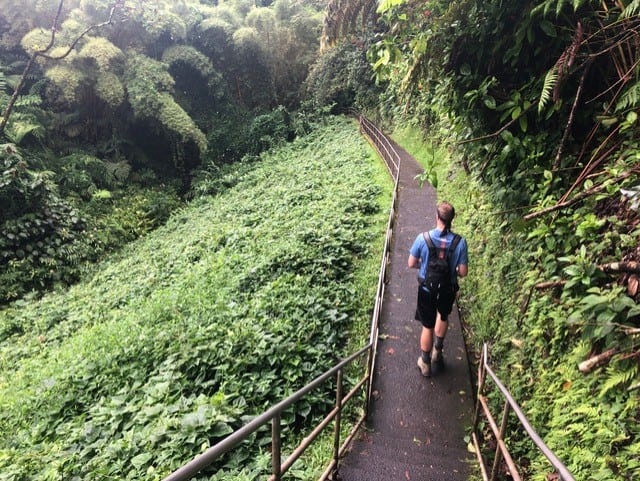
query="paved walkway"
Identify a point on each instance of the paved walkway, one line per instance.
(417, 425)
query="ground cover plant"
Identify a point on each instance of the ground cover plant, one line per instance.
(237, 301)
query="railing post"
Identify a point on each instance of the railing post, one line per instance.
(369, 374)
(336, 431)
(503, 429)
(481, 380)
(276, 447)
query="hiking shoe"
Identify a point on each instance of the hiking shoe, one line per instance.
(425, 369)
(437, 357)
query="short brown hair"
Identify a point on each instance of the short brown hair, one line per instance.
(446, 213)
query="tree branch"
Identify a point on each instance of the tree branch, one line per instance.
(618, 267)
(595, 361)
(549, 285)
(595, 190)
(565, 136)
(109, 21)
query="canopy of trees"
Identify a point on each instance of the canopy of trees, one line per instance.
(97, 96)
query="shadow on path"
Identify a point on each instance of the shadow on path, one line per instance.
(416, 425)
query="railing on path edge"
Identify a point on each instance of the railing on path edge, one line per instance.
(502, 452)
(273, 415)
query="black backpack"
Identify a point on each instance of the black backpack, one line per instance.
(438, 278)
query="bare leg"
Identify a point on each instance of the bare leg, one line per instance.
(441, 326)
(426, 343)
(426, 339)
(441, 331)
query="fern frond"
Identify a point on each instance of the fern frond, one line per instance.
(631, 10)
(630, 99)
(38, 87)
(549, 85)
(13, 81)
(17, 131)
(559, 72)
(117, 172)
(560, 6)
(579, 3)
(557, 6)
(28, 101)
(617, 379)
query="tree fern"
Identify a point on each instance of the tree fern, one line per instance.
(117, 172)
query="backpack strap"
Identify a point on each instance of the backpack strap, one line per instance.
(429, 241)
(452, 247)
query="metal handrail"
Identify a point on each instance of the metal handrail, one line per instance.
(273, 415)
(384, 147)
(210, 455)
(502, 452)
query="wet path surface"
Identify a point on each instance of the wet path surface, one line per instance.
(417, 425)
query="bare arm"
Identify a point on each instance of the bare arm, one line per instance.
(462, 270)
(414, 262)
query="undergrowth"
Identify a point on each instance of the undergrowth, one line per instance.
(239, 300)
(537, 338)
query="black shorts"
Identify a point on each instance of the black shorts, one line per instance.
(427, 306)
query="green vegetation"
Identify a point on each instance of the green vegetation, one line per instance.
(529, 111)
(525, 115)
(237, 301)
(100, 100)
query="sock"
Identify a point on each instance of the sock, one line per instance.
(426, 357)
(439, 343)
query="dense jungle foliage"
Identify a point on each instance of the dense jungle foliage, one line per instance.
(536, 103)
(115, 113)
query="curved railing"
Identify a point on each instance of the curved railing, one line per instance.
(383, 145)
(274, 414)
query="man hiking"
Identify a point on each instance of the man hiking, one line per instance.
(440, 257)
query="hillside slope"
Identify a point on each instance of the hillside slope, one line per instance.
(239, 300)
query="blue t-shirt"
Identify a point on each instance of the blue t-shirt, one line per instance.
(420, 250)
